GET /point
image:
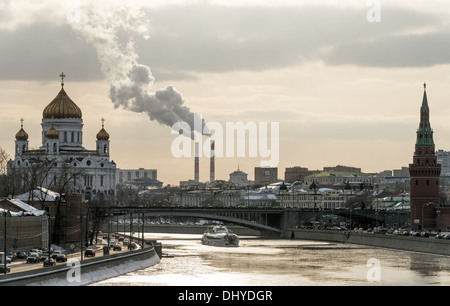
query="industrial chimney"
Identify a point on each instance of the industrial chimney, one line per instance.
(196, 165)
(212, 165)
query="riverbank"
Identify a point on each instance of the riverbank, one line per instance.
(406, 243)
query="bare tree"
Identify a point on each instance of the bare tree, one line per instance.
(64, 181)
(4, 157)
(6, 185)
(99, 212)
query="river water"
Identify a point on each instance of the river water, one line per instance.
(263, 262)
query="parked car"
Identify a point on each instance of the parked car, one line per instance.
(12, 255)
(89, 252)
(61, 258)
(36, 251)
(22, 255)
(44, 256)
(8, 260)
(4, 268)
(56, 253)
(415, 234)
(33, 258)
(48, 262)
(117, 247)
(424, 234)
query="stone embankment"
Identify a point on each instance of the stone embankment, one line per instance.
(407, 243)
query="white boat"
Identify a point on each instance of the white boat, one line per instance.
(219, 235)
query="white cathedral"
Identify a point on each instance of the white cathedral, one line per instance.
(82, 171)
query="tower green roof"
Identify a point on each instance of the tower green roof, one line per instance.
(425, 132)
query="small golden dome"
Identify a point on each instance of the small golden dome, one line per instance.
(52, 133)
(21, 134)
(103, 135)
(62, 106)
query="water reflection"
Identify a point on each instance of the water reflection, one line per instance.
(283, 263)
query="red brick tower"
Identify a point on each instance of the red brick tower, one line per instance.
(424, 173)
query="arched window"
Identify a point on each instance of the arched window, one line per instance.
(105, 149)
(55, 148)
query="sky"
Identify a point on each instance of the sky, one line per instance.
(342, 80)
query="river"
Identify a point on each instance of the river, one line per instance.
(272, 262)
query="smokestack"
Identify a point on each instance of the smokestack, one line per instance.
(196, 165)
(211, 164)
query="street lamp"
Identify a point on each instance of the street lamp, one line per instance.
(49, 236)
(4, 213)
(314, 186)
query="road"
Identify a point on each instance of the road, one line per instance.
(20, 265)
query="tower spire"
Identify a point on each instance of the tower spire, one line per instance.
(424, 100)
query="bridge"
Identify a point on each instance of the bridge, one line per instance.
(269, 220)
(263, 219)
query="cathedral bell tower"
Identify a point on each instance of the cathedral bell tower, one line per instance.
(103, 141)
(424, 174)
(21, 140)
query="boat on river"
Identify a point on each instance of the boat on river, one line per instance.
(219, 235)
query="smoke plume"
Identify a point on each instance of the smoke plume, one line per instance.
(110, 26)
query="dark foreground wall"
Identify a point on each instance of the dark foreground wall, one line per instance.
(88, 271)
(407, 243)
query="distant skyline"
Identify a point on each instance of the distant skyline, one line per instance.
(344, 90)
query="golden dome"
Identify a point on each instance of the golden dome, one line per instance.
(103, 135)
(52, 133)
(21, 134)
(62, 107)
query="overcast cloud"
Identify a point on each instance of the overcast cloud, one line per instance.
(187, 39)
(344, 90)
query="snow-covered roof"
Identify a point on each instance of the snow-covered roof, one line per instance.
(40, 194)
(265, 196)
(26, 209)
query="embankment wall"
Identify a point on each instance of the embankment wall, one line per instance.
(407, 243)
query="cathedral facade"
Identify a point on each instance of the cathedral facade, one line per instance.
(62, 163)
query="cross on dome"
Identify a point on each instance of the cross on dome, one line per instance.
(62, 76)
